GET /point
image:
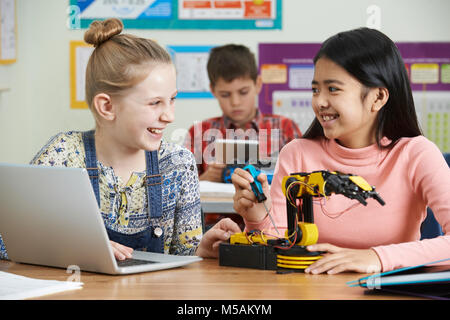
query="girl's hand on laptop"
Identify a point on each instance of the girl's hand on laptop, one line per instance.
(221, 231)
(121, 252)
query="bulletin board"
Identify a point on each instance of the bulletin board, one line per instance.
(79, 57)
(428, 66)
(287, 70)
(192, 75)
(179, 14)
(8, 32)
(190, 63)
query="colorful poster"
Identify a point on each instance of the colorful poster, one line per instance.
(179, 14)
(284, 67)
(226, 9)
(8, 32)
(427, 64)
(80, 52)
(142, 9)
(192, 75)
(287, 70)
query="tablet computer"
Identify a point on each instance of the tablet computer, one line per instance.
(235, 152)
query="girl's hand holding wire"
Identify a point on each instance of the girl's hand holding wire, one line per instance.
(337, 259)
(245, 202)
(220, 232)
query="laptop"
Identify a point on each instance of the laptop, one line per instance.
(49, 216)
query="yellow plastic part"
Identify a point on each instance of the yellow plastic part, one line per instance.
(245, 238)
(312, 184)
(310, 233)
(281, 265)
(360, 182)
(239, 238)
(296, 263)
(302, 258)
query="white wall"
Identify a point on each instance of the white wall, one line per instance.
(37, 104)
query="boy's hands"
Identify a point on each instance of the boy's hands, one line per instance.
(245, 202)
(213, 172)
(220, 232)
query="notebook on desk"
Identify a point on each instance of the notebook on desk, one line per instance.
(427, 281)
(49, 216)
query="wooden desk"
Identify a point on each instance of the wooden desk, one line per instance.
(204, 280)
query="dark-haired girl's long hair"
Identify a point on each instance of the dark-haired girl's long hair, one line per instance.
(374, 60)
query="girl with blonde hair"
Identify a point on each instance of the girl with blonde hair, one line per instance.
(147, 188)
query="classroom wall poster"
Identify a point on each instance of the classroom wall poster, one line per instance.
(428, 66)
(8, 32)
(287, 70)
(180, 14)
(192, 75)
(190, 64)
(80, 53)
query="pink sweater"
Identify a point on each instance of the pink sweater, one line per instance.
(409, 177)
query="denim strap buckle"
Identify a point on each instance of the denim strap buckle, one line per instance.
(91, 173)
(152, 180)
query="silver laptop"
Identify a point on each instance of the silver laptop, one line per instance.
(49, 216)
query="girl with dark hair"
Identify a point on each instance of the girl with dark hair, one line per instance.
(373, 60)
(365, 125)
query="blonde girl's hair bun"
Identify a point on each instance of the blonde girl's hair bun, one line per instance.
(101, 31)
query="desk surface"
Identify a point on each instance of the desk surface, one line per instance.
(217, 204)
(204, 280)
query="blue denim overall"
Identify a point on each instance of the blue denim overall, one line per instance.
(152, 238)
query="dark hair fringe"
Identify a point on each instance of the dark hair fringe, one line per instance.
(374, 60)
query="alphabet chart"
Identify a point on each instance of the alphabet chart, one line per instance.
(433, 111)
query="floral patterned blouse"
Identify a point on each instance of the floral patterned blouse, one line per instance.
(123, 205)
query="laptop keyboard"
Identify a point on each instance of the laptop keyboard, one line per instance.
(132, 262)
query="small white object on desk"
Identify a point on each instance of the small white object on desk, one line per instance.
(217, 197)
(15, 287)
(216, 189)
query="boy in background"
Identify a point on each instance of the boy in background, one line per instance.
(235, 83)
